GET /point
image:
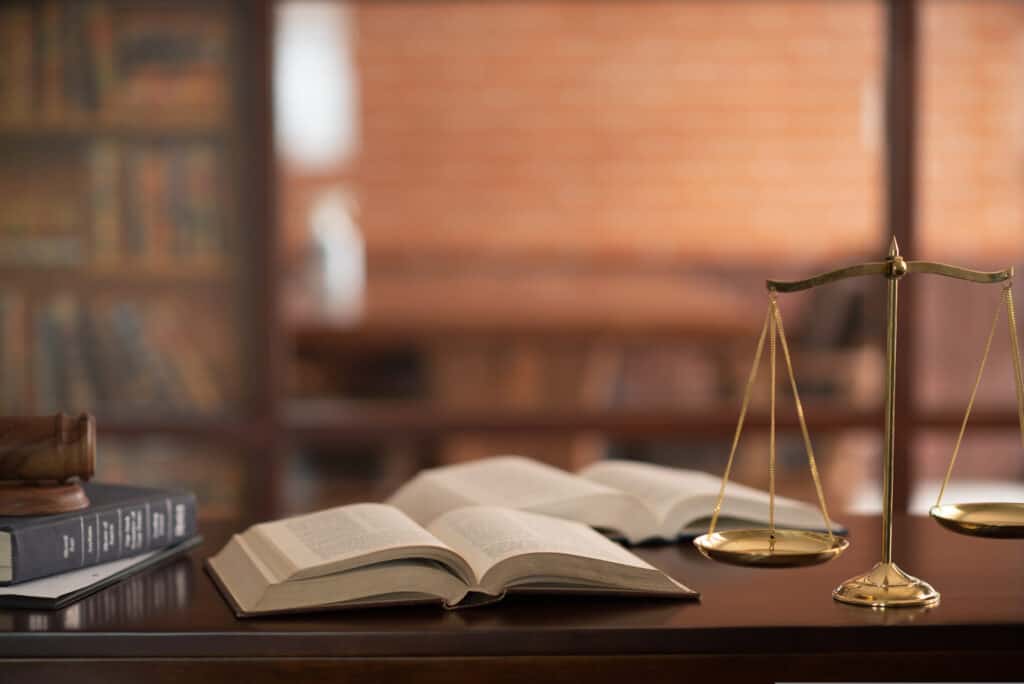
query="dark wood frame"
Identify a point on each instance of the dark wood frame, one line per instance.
(254, 431)
(901, 55)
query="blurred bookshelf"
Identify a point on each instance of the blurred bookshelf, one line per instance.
(134, 239)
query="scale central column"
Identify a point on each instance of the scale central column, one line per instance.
(889, 464)
(886, 585)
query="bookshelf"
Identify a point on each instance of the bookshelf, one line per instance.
(135, 239)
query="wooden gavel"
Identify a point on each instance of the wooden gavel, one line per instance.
(39, 456)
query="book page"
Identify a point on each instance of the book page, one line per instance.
(681, 497)
(252, 589)
(337, 538)
(524, 484)
(512, 482)
(657, 486)
(428, 495)
(486, 536)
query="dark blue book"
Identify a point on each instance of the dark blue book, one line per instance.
(121, 521)
(53, 593)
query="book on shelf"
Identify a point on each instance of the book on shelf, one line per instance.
(104, 178)
(171, 213)
(157, 204)
(109, 204)
(120, 522)
(57, 591)
(42, 221)
(16, 63)
(117, 353)
(13, 353)
(372, 554)
(68, 62)
(170, 60)
(630, 500)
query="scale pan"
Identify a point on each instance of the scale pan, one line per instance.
(791, 548)
(1000, 520)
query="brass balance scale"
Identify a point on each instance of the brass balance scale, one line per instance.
(885, 585)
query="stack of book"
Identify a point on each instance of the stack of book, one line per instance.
(51, 561)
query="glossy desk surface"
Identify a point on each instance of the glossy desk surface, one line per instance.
(175, 611)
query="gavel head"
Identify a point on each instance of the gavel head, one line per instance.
(37, 449)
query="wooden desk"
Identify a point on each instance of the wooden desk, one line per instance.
(170, 624)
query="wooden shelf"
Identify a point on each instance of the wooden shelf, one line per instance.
(435, 308)
(326, 420)
(51, 278)
(239, 431)
(950, 419)
(150, 126)
(318, 421)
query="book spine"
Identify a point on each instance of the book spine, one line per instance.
(101, 42)
(16, 80)
(106, 201)
(100, 535)
(12, 348)
(50, 59)
(43, 356)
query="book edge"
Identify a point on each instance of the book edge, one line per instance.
(241, 614)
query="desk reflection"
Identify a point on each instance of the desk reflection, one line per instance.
(885, 616)
(153, 593)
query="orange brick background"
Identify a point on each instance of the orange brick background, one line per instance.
(971, 190)
(739, 135)
(972, 131)
(971, 212)
(705, 131)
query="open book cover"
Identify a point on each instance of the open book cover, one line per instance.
(373, 554)
(628, 500)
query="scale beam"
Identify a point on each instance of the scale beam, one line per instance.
(891, 269)
(960, 273)
(872, 268)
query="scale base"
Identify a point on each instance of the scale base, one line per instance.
(886, 586)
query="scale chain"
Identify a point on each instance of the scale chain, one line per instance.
(772, 329)
(1005, 300)
(739, 424)
(974, 393)
(1015, 350)
(803, 423)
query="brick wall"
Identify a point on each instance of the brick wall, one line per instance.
(971, 212)
(972, 131)
(709, 131)
(971, 189)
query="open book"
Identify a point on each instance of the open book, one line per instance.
(626, 499)
(373, 554)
